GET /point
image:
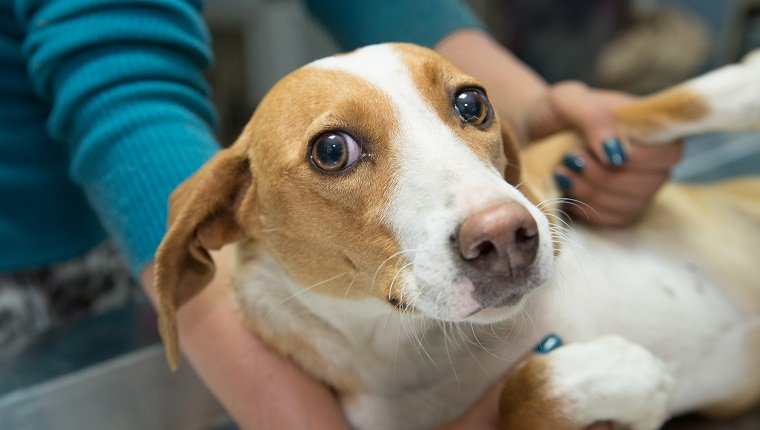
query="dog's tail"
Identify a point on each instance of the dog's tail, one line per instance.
(726, 99)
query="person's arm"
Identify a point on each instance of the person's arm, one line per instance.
(259, 388)
(130, 104)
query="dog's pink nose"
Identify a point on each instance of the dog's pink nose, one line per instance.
(500, 240)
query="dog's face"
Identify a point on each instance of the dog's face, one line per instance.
(379, 173)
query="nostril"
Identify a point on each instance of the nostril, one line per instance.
(484, 249)
(498, 240)
(523, 236)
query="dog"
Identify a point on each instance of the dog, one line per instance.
(394, 242)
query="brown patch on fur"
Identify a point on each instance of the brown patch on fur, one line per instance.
(658, 111)
(438, 80)
(526, 403)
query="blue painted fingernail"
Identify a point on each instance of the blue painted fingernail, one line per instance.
(614, 151)
(574, 163)
(548, 344)
(563, 182)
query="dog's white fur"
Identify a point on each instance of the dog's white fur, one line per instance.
(651, 329)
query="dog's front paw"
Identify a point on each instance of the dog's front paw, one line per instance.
(608, 379)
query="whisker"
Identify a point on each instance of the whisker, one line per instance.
(480, 343)
(403, 251)
(311, 287)
(393, 281)
(270, 230)
(351, 284)
(448, 354)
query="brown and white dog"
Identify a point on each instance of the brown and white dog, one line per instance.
(380, 247)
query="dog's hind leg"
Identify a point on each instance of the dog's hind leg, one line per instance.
(726, 99)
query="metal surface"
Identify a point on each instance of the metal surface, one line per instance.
(105, 372)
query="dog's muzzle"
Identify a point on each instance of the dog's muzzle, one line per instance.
(497, 247)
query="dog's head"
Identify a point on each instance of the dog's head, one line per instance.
(383, 170)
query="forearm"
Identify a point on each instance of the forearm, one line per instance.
(260, 389)
(512, 86)
(129, 103)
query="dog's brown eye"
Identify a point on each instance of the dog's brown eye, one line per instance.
(335, 151)
(473, 106)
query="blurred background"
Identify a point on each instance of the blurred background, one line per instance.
(107, 371)
(637, 46)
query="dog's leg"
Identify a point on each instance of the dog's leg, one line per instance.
(726, 99)
(607, 379)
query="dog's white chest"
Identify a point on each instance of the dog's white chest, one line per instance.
(616, 275)
(417, 372)
(668, 303)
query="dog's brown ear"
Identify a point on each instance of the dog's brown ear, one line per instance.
(513, 172)
(202, 217)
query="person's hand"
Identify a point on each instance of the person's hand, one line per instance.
(257, 386)
(612, 180)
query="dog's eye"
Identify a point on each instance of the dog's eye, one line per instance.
(335, 151)
(473, 106)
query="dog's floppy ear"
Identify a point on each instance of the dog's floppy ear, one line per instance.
(513, 172)
(202, 217)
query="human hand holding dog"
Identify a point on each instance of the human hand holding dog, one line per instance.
(258, 387)
(613, 179)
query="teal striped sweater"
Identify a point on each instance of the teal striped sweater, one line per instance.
(104, 109)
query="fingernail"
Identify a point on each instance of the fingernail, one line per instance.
(563, 182)
(574, 163)
(548, 344)
(613, 149)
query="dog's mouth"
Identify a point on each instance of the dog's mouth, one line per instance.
(463, 298)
